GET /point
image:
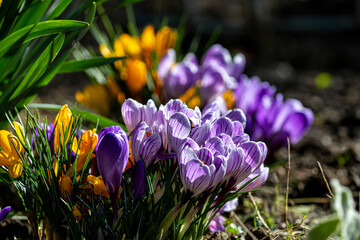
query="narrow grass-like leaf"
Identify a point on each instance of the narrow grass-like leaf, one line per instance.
(37, 69)
(58, 9)
(37, 30)
(31, 13)
(92, 117)
(80, 65)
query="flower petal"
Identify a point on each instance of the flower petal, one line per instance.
(178, 130)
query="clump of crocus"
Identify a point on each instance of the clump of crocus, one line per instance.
(198, 84)
(211, 150)
(270, 118)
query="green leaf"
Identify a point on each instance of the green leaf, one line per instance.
(37, 30)
(323, 230)
(31, 14)
(80, 65)
(58, 9)
(92, 117)
(36, 70)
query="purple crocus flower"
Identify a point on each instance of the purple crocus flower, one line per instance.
(112, 156)
(4, 212)
(133, 113)
(145, 143)
(270, 118)
(220, 56)
(178, 78)
(215, 80)
(226, 156)
(217, 224)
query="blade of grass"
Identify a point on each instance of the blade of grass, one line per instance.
(80, 65)
(92, 117)
(37, 30)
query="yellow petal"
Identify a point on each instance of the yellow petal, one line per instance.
(148, 38)
(137, 72)
(131, 45)
(15, 170)
(65, 186)
(165, 39)
(80, 161)
(19, 131)
(8, 153)
(97, 97)
(88, 142)
(105, 51)
(63, 125)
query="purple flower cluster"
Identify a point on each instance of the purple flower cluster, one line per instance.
(211, 149)
(270, 118)
(217, 73)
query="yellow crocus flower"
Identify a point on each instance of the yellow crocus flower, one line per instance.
(95, 96)
(63, 125)
(9, 153)
(148, 40)
(165, 39)
(131, 45)
(136, 75)
(19, 131)
(98, 184)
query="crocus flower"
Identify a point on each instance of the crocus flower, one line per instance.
(144, 143)
(112, 156)
(177, 78)
(97, 184)
(271, 119)
(226, 156)
(220, 56)
(217, 224)
(63, 125)
(95, 96)
(10, 147)
(165, 39)
(133, 113)
(4, 212)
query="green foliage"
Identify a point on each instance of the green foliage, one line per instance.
(34, 46)
(80, 65)
(91, 117)
(345, 223)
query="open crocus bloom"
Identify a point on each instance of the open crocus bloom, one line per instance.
(9, 153)
(271, 119)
